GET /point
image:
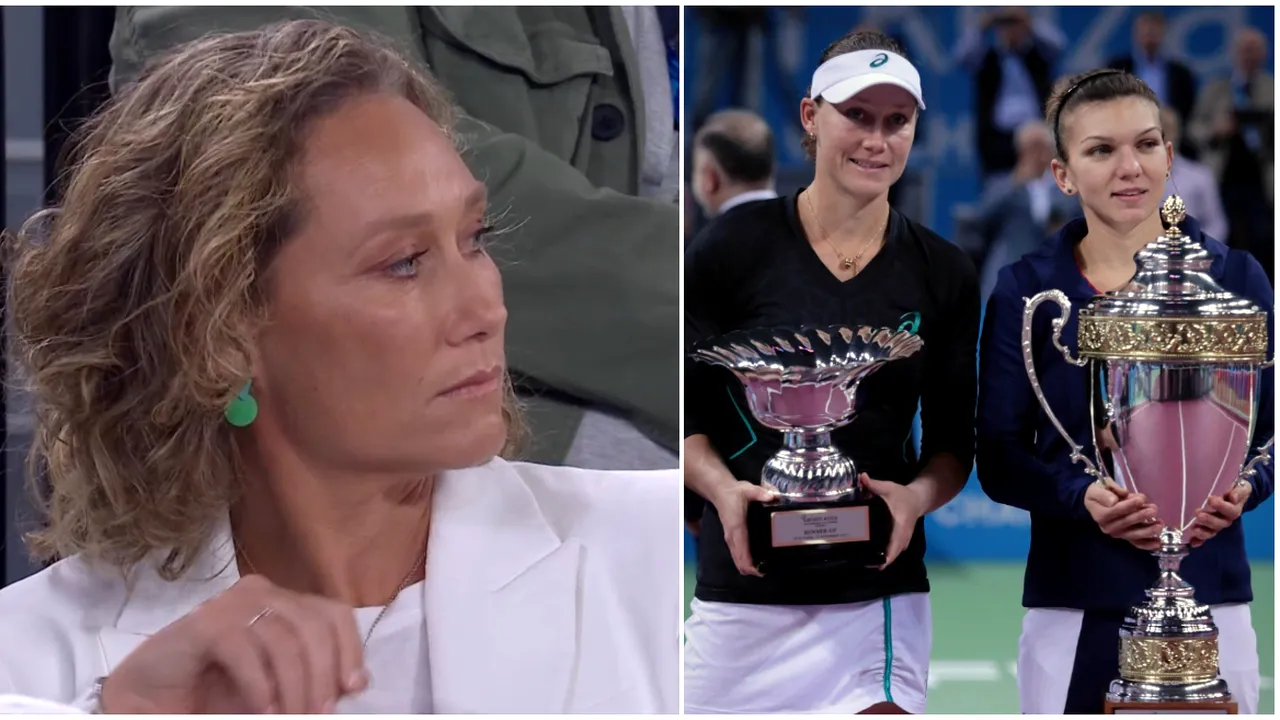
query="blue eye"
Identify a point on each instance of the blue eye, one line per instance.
(407, 267)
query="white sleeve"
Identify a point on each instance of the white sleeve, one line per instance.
(23, 705)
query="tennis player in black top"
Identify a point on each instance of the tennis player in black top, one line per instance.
(856, 639)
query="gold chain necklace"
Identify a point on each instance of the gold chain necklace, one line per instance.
(848, 263)
(418, 563)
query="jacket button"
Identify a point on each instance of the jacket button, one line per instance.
(607, 122)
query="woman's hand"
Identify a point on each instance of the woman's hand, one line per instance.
(255, 648)
(905, 506)
(1217, 514)
(731, 504)
(1124, 515)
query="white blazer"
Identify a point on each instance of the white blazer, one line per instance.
(548, 590)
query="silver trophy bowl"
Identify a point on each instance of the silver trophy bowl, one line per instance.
(804, 383)
(1175, 360)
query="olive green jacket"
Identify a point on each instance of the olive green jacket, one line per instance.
(591, 275)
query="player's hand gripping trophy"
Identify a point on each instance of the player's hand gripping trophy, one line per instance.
(804, 384)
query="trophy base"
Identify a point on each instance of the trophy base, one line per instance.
(1170, 708)
(796, 537)
(1169, 648)
(1128, 697)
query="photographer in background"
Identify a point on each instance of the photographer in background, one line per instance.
(1013, 73)
(1234, 125)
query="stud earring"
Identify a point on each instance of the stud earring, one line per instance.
(243, 409)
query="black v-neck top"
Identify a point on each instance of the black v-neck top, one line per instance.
(754, 268)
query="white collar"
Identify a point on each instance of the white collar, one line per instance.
(746, 197)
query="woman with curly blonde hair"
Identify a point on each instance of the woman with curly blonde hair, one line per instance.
(265, 344)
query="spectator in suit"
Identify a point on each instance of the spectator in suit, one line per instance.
(1012, 79)
(1193, 181)
(1019, 210)
(1171, 81)
(733, 164)
(733, 161)
(1234, 127)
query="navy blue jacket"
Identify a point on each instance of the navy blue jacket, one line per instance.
(1022, 460)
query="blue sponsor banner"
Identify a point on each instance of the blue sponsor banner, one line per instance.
(972, 527)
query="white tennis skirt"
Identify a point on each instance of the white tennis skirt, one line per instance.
(741, 658)
(1047, 650)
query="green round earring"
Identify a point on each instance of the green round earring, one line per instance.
(243, 410)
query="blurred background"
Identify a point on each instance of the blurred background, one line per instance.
(986, 73)
(55, 65)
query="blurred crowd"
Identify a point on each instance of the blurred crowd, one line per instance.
(1221, 127)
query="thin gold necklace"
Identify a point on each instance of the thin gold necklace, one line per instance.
(848, 263)
(417, 564)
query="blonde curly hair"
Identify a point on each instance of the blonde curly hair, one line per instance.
(136, 302)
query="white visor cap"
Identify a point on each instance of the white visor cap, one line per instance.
(844, 76)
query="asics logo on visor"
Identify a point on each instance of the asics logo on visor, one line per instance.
(880, 60)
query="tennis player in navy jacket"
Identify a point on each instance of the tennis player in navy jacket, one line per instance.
(1090, 544)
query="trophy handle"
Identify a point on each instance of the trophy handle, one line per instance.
(1263, 456)
(1060, 299)
(1264, 452)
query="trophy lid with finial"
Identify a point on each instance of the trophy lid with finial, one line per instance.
(1172, 308)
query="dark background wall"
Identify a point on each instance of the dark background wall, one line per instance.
(55, 65)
